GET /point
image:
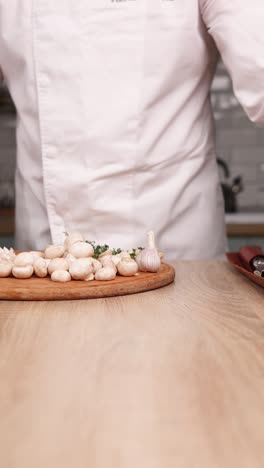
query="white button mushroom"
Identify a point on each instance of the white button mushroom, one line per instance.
(116, 259)
(54, 251)
(81, 268)
(58, 264)
(69, 257)
(61, 276)
(24, 259)
(90, 277)
(106, 260)
(106, 273)
(81, 250)
(127, 267)
(41, 268)
(70, 239)
(37, 254)
(5, 269)
(105, 253)
(96, 264)
(125, 254)
(22, 272)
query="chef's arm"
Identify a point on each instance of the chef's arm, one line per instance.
(237, 27)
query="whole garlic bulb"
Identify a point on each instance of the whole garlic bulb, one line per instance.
(127, 267)
(148, 259)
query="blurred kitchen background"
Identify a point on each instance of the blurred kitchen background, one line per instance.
(240, 148)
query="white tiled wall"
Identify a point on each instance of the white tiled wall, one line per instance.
(239, 143)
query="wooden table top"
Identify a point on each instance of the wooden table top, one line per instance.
(172, 378)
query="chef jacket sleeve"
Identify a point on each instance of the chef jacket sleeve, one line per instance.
(237, 27)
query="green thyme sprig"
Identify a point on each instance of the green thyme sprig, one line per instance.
(100, 249)
(116, 251)
(134, 252)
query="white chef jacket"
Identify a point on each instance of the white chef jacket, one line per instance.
(115, 133)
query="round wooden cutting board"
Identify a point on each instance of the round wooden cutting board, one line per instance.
(43, 289)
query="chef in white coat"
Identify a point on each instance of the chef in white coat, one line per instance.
(115, 134)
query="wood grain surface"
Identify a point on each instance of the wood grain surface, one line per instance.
(245, 229)
(39, 289)
(172, 378)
